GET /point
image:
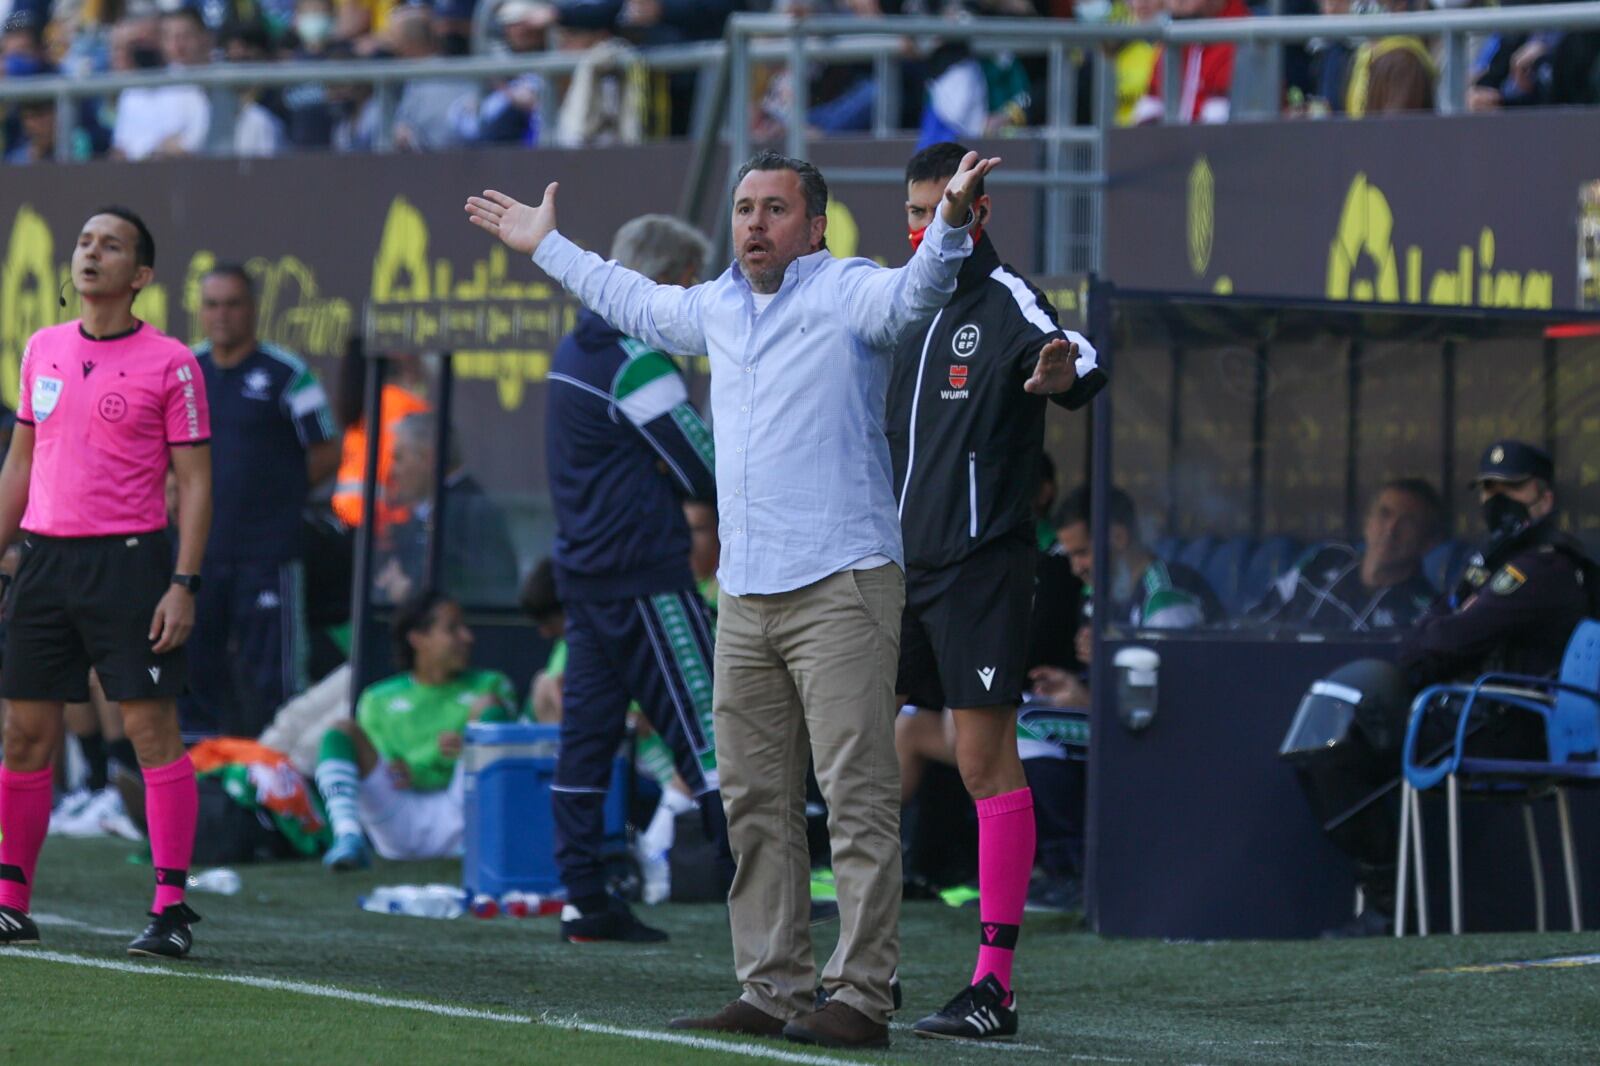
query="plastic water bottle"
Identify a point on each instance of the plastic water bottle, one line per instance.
(222, 881)
(485, 906)
(418, 901)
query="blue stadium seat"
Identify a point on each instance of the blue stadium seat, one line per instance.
(1167, 548)
(1224, 571)
(1272, 558)
(1444, 564)
(1197, 551)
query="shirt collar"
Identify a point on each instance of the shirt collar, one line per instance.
(794, 273)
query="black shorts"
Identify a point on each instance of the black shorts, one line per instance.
(964, 634)
(79, 602)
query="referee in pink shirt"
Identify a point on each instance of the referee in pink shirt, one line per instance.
(106, 404)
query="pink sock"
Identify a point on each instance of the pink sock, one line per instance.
(171, 804)
(24, 820)
(1005, 863)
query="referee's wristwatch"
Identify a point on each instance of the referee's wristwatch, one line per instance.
(188, 581)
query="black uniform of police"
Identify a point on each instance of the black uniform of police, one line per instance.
(965, 441)
(1513, 612)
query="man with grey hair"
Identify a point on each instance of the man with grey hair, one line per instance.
(812, 572)
(625, 448)
(479, 564)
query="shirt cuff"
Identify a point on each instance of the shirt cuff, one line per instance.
(948, 242)
(555, 254)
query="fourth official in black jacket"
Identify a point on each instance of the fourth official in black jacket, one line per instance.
(964, 437)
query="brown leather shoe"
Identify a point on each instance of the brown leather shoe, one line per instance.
(837, 1025)
(737, 1017)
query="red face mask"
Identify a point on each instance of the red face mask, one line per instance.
(915, 236)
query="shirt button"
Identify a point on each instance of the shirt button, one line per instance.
(739, 530)
(738, 492)
(739, 451)
(748, 369)
(745, 408)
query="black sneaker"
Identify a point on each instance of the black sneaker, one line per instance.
(1055, 895)
(168, 936)
(821, 996)
(1369, 923)
(616, 922)
(977, 1013)
(16, 928)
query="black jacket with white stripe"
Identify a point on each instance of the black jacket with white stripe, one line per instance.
(964, 436)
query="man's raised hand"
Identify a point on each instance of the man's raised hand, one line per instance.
(1056, 370)
(963, 187)
(518, 226)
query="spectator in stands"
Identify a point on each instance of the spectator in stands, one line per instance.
(1380, 586)
(393, 772)
(258, 128)
(509, 114)
(479, 563)
(273, 438)
(972, 96)
(28, 132)
(436, 113)
(313, 109)
(362, 24)
(1134, 61)
(1390, 75)
(1207, 76)
(605, 103)
(1520, 70)
(36, 142)
(1326, 75)
(167, 120)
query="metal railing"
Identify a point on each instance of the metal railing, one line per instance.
(1069, 174)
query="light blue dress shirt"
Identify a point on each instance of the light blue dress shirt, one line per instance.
(804, 486)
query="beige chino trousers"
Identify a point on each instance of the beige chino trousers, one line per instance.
(810, 673)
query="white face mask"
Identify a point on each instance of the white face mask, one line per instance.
(314, 27)
(1092, 10)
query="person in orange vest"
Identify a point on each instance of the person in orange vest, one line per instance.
(399, 399)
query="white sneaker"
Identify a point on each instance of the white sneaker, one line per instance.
(69, 820)
(110, 817)
(656, 871)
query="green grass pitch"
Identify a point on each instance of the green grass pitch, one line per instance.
(1083, 998)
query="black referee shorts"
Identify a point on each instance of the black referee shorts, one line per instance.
(964, 634)
(79, 602)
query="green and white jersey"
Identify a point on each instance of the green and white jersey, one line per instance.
(1172, 596)
(403, 718)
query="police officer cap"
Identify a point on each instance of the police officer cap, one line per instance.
(1514, 460)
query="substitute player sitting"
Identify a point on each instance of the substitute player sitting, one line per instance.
(395, 771)
(106, 405)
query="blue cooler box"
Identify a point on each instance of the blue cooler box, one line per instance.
(510, 831)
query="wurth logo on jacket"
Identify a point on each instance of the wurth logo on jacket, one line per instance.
(964, 437)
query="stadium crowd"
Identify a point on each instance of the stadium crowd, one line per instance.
(946, 89)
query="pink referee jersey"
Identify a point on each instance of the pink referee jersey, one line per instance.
(106, 414)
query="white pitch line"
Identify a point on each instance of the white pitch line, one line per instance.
(997, 1045)
(752, 1051)
(73, 923)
